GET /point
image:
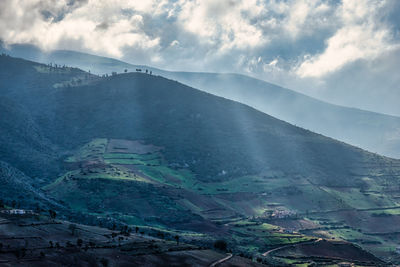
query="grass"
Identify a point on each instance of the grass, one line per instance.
(263, 236)
(91, 151)
(163, 174)
(144, 157)
(352, 197)
(112, 173)
(126, 161)
(61, 179)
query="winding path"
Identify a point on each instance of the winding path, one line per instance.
(230, 255)
(265, 254)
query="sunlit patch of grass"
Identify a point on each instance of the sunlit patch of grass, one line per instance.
(91, 151)
(163, 174)
(352, 197)
(61, 179)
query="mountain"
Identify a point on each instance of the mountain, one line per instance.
(372, 131)
(139, 149)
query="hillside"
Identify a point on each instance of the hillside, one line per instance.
(139, 149)
(18, 190)
(36, 240)
(372, 131)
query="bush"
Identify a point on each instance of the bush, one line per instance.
(220, 245)
(104, 262)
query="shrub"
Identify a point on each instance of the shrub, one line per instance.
(220, 245)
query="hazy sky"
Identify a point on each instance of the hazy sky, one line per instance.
(345, 51)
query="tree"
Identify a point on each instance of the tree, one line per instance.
(124, 229)
(220, 244)
(126, 70)
(1, 203)
(177, 239)
(20, 253)
(104, 262)
(37, 208)
(79, 242)
(53, 214)
(72, 227)
(136, 229)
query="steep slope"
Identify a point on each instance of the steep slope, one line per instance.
(372, 131)
(23, 143)
(26, 90)
(211, 135)
(17, 189)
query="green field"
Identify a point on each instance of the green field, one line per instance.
(256, 196)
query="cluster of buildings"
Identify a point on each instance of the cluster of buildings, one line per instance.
(17, 212)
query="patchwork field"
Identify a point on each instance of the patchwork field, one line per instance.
(37, 240)
(131, 182)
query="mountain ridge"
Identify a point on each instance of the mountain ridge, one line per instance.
(372, 131)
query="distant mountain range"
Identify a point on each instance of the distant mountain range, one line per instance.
(372, 131)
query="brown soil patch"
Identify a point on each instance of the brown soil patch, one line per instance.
(128, 146)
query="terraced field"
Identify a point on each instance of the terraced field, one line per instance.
(37, 240)
(132, 182)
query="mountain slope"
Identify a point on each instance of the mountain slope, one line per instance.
(18, 190)
(372, 131)
(211, 135)
(194, 126)
(144, 150)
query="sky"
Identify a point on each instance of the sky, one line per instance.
(345, 52)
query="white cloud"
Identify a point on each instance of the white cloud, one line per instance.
(226, 24)
(78, 25)
(361, 36)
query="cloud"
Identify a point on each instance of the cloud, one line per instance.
(362, 35)
(295, 43)
(225, 24)
(98, 26)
